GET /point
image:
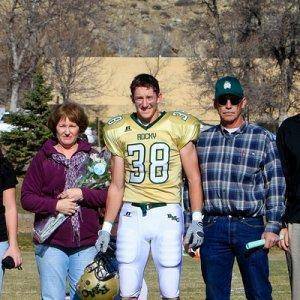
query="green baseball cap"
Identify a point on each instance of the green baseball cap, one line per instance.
(228, 85)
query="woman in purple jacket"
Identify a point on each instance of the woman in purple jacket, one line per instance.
(50, 188)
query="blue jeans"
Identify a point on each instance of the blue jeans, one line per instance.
(56, 264)
(224, 240)
(3, 247)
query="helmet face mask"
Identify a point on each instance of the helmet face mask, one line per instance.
(100, 280)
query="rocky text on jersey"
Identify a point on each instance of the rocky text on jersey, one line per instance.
(146, 136)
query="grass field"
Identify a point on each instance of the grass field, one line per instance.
(24, 284)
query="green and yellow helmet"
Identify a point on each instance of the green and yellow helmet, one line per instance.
(100, 280)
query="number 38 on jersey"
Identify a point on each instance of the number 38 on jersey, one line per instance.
(152, 161)
(151, 154)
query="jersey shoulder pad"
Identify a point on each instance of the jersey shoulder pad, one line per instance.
(185, 127)
(182, 117)
(116, 122)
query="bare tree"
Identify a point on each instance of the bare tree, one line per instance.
(73, 42)
(159, 46)
(59, 33)
(23, 24)
(254, 40)
(156, 64)
(281, 42)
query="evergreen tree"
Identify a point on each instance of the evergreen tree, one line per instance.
(30, 125)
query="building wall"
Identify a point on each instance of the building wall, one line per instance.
(113, 76)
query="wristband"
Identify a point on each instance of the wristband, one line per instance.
(197, 216)
(107, 226)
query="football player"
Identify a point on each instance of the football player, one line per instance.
(149, 149)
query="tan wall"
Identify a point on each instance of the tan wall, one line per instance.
(115, 74)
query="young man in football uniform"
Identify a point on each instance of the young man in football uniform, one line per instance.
(149, 149)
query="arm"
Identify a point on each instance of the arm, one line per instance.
(282, 150)
(116, 189)
(113, 203)
(275, 197)
(31, 196)
(194, 234)
(11, 219)
(283, 154)
(275, 181)
(94, 198)
(189, 160)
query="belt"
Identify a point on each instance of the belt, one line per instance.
(233, 216)
(146, 206)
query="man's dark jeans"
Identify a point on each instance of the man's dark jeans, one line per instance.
(225, 238)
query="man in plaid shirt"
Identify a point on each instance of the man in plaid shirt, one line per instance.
(242, 182)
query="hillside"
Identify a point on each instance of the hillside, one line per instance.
(146, 27)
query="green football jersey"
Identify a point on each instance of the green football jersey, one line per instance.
(153, 171)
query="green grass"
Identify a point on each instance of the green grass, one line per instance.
(25, 242)
(193, 288)
(18, 196)
(24, 284)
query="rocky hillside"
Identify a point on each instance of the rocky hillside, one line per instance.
(146, 27)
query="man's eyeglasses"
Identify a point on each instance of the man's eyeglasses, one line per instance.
(235, 100)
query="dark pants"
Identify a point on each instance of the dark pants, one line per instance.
(225, 239)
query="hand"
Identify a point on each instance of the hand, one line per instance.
(190, 251)
(67, 206)
(102, 241)
(74, 193)
(284, 243)
(15, 253)
(194, 236)
(271, 239)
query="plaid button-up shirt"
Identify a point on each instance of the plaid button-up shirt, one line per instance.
(242, 174)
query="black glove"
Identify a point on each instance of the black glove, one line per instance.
(8, 262)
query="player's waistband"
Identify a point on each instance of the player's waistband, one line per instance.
(146, 206)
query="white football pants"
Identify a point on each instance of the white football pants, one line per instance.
(160, 230)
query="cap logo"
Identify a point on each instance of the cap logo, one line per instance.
(227, 85)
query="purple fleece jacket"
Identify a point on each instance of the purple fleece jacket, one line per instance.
(44, 181)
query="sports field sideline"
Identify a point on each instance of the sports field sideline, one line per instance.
(24, 284)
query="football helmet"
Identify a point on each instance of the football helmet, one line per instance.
(100, 280)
